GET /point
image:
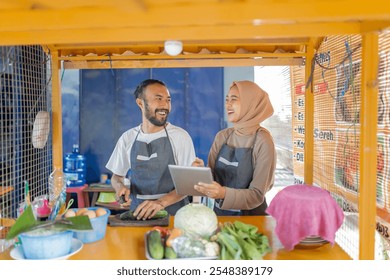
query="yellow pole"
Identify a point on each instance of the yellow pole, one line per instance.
(56, 111)
(368, 146)
(309, 118)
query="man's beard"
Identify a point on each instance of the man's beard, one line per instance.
(152, 117)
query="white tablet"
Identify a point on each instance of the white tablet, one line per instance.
(185, 177)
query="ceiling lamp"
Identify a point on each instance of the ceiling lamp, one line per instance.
(173, 47)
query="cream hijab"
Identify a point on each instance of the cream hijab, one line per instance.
(255, 107)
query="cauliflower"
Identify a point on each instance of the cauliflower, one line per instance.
(211, 248)
(192, 246)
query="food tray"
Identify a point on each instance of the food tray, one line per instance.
(150, 258)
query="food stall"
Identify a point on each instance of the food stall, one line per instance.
(131, 34)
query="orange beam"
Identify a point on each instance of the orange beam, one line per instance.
(368, 146)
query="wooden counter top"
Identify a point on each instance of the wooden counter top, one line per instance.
(127, 243)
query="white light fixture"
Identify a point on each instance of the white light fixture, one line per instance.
(173, 47)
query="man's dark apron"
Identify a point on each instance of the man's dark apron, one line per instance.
(150, 177)
(234, 169)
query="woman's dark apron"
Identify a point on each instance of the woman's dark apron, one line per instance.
(150, 177)
(234, 169)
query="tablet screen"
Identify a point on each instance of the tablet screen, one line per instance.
(185, 177)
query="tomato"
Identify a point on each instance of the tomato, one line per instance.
(163, 231)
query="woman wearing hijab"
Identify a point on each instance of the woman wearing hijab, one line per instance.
(242, 157)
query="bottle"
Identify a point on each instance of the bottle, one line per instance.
(75, 168)
(57, 185)
(57, 191)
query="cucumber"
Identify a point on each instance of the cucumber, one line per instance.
(170, 253)
(155, 245)
(128, 215)
(160, 214)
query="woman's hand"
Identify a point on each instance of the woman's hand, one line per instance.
(213, 190)
(198, 162)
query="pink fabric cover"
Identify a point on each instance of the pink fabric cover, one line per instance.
(301, 211)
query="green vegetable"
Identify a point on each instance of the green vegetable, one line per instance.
(170, 253)
(196, 219)
(155, 245)
(129, 215)
(160, 214)
(231, 250)
(240, 241)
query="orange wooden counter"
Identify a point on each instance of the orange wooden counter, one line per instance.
(127, 243)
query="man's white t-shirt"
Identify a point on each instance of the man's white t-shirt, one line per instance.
(182, 146)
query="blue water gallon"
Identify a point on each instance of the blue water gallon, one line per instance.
(75, 168)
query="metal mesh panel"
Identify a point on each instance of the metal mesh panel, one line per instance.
(383, 190)
(25, 88)
(336, 80)
(336, 129)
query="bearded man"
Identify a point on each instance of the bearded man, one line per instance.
(146, 150)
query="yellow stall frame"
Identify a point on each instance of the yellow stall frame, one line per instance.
(131, 34)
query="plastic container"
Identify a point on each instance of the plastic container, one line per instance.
(75, 168)
(57, 191)
(99, 225)
(44, 244)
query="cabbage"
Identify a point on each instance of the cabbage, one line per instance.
(196, 219)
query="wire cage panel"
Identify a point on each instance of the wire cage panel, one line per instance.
(25, 86)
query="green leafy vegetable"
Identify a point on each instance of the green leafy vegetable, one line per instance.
(240, 241)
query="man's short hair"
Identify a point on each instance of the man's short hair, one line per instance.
(139, 91)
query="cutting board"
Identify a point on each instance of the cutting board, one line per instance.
(115, 221)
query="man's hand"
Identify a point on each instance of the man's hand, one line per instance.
(147, 209)
(122, 193)
(123, 197)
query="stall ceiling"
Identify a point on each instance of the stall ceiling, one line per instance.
(84, 32)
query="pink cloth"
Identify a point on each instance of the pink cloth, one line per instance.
(301, 211)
